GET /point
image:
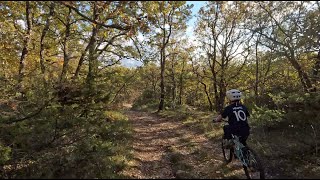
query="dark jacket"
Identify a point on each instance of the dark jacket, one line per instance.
(237, 118)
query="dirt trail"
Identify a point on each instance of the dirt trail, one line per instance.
(165, 148)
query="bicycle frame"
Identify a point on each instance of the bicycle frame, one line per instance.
(248, 158)
(238, 149)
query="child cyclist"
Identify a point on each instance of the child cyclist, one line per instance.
(237, 115)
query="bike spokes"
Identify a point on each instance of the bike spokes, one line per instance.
(227, 152)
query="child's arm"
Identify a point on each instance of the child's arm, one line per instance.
(218, 118)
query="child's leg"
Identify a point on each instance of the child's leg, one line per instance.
(243, 140)
(227, 132)
(244, 134)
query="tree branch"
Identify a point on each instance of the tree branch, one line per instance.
(11, 121)
(114, 26)
(111, 41)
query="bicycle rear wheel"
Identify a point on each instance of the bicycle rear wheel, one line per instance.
(227, 152)
(254, 168)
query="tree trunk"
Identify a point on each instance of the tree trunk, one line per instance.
(43, 34)
(154, 89)
(257, 74)
(162, 61)
(92, 60)
(220, 95)
(66, 56)
(208, 96)
(24, 53)
(304, 78)
(83, 54)
(92, 54)
(181, 82)
(174, 85)
(221, 85)
(316, 70)
(165, 41)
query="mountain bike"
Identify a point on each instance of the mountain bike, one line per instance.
(251, 163)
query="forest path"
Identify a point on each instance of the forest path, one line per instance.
(166, 148)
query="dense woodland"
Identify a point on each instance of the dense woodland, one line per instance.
(63, 84)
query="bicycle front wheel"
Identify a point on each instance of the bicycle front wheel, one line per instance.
(227, 152)
(254, 168)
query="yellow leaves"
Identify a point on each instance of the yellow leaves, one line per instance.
(105, 34)
(60, 61)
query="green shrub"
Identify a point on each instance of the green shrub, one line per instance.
(5, 154)
(146, 101)
(262, 116)
(62, 142)
(294, 108)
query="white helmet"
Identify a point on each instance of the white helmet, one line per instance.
(234, 94)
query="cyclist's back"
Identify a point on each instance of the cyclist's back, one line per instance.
(237, 115)
(238, 120)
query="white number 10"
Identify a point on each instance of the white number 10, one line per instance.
(240, 115)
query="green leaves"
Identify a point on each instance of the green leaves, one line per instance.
(5, 154)
(266, 117)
